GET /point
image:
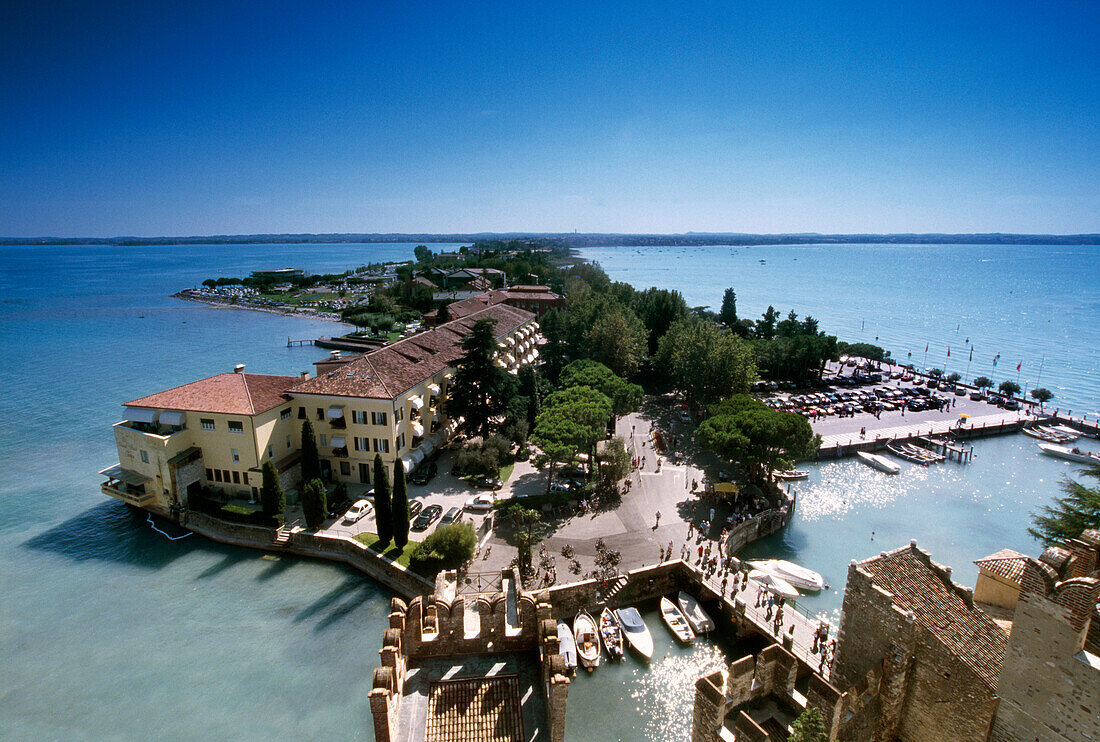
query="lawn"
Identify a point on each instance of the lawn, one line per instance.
(370, 540)
(506, 471)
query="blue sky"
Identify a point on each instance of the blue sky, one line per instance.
(219, 117)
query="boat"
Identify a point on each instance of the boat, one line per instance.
(798, 576)
(567, 646)
(696, 617)
(588, 641)
(635, 631)
(790, 474)
(1070, 454)
(611, 634)
(1039, 433)
(676, 622)
(1059, 434)
(774, 584)
(912, 453)
(878, 462)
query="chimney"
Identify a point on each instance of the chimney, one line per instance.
(334, 355)
(303, 375)
(239, 368)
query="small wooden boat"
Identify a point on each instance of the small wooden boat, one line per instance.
(696, 617)
(588, 641)
(612, 635)
(774, 584)
(798, 576)
(1070, 454)
(676, 622)
(635, 631)
(1037, 432)
(878, 462)
(788, 474)
(567, 646)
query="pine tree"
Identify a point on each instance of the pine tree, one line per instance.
(382, 509)
(311, 460)
(272, 496)
(728, 313)
(809, 727)
(400, 506)
(481, 389)
(1071, 515)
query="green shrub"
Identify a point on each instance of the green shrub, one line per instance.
(447, 548)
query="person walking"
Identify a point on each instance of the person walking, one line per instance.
(657, 523)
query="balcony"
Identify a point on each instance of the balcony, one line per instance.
(126, 485)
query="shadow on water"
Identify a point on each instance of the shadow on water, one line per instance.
(229, 559)
(331, 599)
(359, 595)
(111, 532)
(278, 566)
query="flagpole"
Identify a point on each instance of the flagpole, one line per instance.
(1040, 376)
(966, 378)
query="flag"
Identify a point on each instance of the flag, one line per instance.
(1021, 363)
(948, 352)
(926, 347)
(995, 360)
(971, 354)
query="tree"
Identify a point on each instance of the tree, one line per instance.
(272, 496)
(555, 351)
(383, 509)
(1068, 517)
(757, 437)
(614, 462)
(727, 315)
(573, 419)
(524, 521)
(617, 339)
(658, 309)
(954, 377)
(400, 506)
(625, 397)
(530, 388)
(765, 327)
(1009, 388)
(706, 362)
(314, 503)
(422, 253)
(443, 314)
(448, 547)
(481, 389)
(1042, 396)
(935, 373)
(311, 460)
(809, 727)
(983, 382)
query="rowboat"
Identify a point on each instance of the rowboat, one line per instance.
(567, 646)
(878, 462)
(774, 584)
(696, 617)
(790, 474)
(588, 641)
(1070, 454)
(635, 631)
(1041, 434)
(676, 622)
(612, 635)
(798, 576)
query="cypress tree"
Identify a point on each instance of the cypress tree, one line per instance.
(382, 511)
(272, 496)
(311, 460)
(314, 503)
(400, 506)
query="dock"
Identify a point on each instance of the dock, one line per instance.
(839, 445)
(299, 343)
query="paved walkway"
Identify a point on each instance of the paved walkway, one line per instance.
(924, 427)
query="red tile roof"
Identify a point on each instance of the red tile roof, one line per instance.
(465, 307)
(229, 393)
(940, 606)
(387, 372)
(1005, 563)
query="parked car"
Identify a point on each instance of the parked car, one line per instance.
(427, 516)
(424, 474)
(487, 483)
(452, 516)
(357, 511)
(977, 396)
(480, 502)
(415, 506)
(1012, 405)
(683, 416)
(559, 487)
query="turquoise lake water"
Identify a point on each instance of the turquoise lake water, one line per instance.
(110, 631)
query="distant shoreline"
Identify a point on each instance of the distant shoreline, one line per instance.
(577, 240)
(303, 312)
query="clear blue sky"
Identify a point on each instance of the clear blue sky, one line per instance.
(133, 118)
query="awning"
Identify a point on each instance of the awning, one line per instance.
(509, 359)
(335, 412)
(448, 376)
(510, 340)
(337, 441)
(125, 476)
(417, 429)
(140, 415)
(433, 389)
(416, 403)
(172, 417)
(407, 464)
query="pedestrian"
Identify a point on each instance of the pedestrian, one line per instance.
(670, 548)
(700, 553)
(658, 521)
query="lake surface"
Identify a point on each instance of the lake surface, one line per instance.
(110, 630)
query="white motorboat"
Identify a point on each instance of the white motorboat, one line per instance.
(611, 634)
(798, 576)
(786, 474)
(676, 622)
(1070, 454)
(774, 584)
(567, 646)
(635, 631)
(588, 641)
(696, 617)
(878, 462)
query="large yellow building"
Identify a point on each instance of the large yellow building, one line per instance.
(219, 431)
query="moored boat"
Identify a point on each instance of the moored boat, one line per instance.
(1070, 454)
(1036, 432)
(881, 463)
(587, 640)
(676, 622)
(697, 618)
(635, 631)
(798, 576)
(611, 634)
(787, 474)
(774, 584)
(567, 645)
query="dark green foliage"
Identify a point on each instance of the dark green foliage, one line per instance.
(448, 547)
(311, 460)
(314, 503)
(796, 350)
(485, 458)
(862, 350)
(400, 506)
(555, 351)
(481, 389)
(614, 462)
(1041, 395)
(704, 361)
(658, 309)
(271, 493)
(1009, 388)
(382, 507)
(983, 382)
(625, 397)
(809, 727)
(573, 420)
(422, 253)
(935, 373)
(728, 314)
(1067, 517)
(749, 432)
(954, 377)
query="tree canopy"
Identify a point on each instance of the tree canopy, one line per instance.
(1009, 388)
(314, 503)
(704, 361)
(983, 382)
(1041, 395)
(448, 547)
(755, 436)
(572, 420)
(481, 389)
(625, 397)
(1068, 516)
(399, 506)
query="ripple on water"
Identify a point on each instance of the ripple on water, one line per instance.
(664, 694)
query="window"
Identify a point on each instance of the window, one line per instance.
(362, 444)
(271, 452)
(378, 418)
(225, 475)
(144, 456)
(320, 413)
(399, 414)
(359, 417)
(244, 478)
(206, 423)
(288, 441)
(209, 475)
(381, 445)
(236, 455)
(324, 440)
(236, 477)
(285, 414)
(235, 426)
(345, 468)
(301, 413)
(217, 475)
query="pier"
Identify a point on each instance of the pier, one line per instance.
(299, 343)
(839, 445)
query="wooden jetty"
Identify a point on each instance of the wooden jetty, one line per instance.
(299, 343)
(839, 445)
(945, 448)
